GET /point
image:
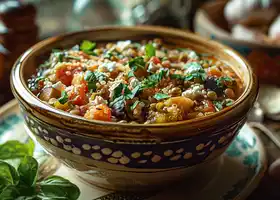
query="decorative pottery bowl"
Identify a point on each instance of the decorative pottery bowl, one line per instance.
(264, 58)
(128, 156)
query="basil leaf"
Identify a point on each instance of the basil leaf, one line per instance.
(8, 175)
(134, 105)
(87, 46)
(28, 198)
(28, 170)
(218, 105)
(26, 192)
(64, 97)
(136, 63)
(150, 50)
(55, 186)
(159, 96)
(118, 106)
(10, 192)
(14, 149)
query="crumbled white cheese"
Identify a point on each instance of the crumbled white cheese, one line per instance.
(122, 45)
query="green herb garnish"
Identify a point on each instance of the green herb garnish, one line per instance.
(130, 74)
(19, 180)
(64, 97)
(73, 57)
(218, 105)
(60, 55)
(225, 81)
(177, 76)
(159, 96)
(117, 106)
(154, 79)
(195, 71)
(108, 54)
(137, 63)
(123, 90)
(134, 105)
(132, 93)
(150, 50)
(229, 102)
(87, 45)
(91, 79)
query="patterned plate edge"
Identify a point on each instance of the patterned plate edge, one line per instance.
(253, 184)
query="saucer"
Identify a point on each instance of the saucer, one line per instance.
(234, 175)
(12, 128)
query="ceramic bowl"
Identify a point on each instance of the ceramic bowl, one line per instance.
(264, 58)
(129, 156)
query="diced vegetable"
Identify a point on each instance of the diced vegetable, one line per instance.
(47, 93)
(135, 82)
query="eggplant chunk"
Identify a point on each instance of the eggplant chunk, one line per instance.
(47, 93)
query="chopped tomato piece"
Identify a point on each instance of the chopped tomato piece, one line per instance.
(79, 97)
(155, 60)
(65, 78)
(210, 107)
(100, 112)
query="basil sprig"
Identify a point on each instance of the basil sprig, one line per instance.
(19, 182)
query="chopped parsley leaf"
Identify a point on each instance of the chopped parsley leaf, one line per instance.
(133, 92)
(159, 96)
(229, 102)
(218, 105)
(150, 50)
(64, 97)
(136, 63)
(194, 71)
(130, 74)
(73, 57)
(177, 76)
(154, 79)
(87, 45)
(117, 106)
(225, 81)
(134, 105)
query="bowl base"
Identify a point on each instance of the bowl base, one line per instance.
(206, 173)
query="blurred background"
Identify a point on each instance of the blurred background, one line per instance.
(24, 22)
